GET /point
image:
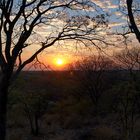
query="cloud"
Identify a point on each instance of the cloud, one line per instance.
(114, 24)
(107, 4)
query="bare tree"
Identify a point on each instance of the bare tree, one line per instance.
(35, 106)
(129, 59)
(91, 72)
(20, 24)
(125, 107)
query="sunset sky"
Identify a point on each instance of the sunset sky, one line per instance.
(69, 51)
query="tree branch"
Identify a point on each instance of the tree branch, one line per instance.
(133, 25)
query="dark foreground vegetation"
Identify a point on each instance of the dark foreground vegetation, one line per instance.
(61, 106)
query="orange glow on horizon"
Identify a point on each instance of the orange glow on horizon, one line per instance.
(59, 63)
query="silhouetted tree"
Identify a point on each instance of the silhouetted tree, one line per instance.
(34, 106)
(125, 107)
(128, 96)
(129, 59)
(21, 23)
(91, 72)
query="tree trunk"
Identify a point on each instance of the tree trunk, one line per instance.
(30, 122)
(132, 20)
(36, 126)
(29, 117)
(3, 106)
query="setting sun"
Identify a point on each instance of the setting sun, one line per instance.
(59, 61)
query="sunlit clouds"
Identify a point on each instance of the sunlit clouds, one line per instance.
(60, 54)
